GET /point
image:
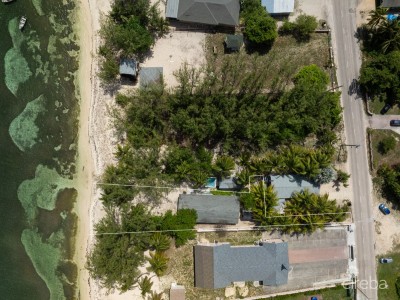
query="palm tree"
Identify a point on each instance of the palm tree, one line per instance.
(265, 199)
(155, 296)
(312, 211)
(223, 166)
(310, 166)
(145, 285)
(242, 179)
(158, 263)
(198, 178)
(160, 242)
(323, 159)
(392, 42)
(377, 17)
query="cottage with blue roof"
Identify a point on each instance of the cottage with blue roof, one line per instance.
(218, 265)
(278, 7)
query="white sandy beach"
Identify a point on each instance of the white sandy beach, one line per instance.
(97, 139)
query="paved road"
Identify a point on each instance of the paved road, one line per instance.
(343, 23)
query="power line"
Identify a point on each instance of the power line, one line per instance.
(200, 230)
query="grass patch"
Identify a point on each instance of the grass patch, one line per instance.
(334, 293)
(390, 158)
(234, 238)
(285, 58)
(375, 107)
(389, 273)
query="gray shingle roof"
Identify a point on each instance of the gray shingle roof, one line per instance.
(128, 66)
(227, 184)
(150, 75)
(212, 209)
(218, 265)
(211, 12)
(390, 3)
(286, 185)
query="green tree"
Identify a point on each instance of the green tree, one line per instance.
(115, 259)
(158, 263)
(304, 26)
(260, 28)
(391, 182)
(180, 225)
(343, 177)
(312, 75)
(387, 144)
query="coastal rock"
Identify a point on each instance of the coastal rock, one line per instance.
(230, 292)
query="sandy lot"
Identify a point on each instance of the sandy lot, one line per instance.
(177, 47)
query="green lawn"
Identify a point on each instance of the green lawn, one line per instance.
(376, 106)
(393, 156)
(389, 273)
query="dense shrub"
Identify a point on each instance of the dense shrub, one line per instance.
(387, 144)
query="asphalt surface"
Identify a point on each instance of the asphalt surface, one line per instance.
(348, 63)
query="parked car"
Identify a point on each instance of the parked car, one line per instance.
(384, 209)
(386, 108)
(394, 122)
(385, 260)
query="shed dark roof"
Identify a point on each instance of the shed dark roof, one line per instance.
(390, 3)
(218, 265)
(128, 66)
(212, 209)
(150, 75)
(211, 12)
(227, 184)
(234, 42)
(286, 185)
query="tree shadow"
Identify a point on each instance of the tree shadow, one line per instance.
(354, 89)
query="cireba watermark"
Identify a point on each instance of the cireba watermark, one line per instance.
(369, 284)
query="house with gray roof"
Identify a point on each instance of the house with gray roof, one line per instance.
(210, 12)
(212, 209)
(278, 7)
(218, 265)
(286, 185)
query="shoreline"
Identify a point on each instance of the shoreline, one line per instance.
(85, 165)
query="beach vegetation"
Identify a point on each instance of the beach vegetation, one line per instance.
(145, 284)
(129, 30)
(158, 263)
(125, 233)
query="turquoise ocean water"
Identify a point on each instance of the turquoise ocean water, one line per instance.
(38, 135)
